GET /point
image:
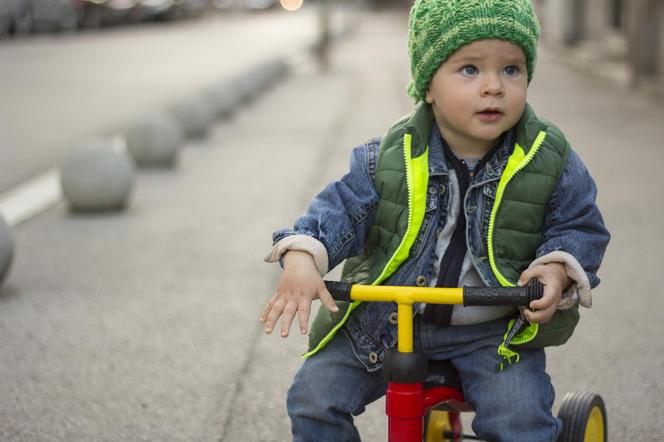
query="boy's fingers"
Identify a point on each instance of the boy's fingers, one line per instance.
(287, 318)
(539, 316)
(527, 275)
(327, 299)
(524, 278)
(542, 309)
(268, 307)
(303, 312)
(273, 315)
(542, 303)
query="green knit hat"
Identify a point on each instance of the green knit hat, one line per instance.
(439, 27)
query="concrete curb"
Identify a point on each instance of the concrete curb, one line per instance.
(6, 250)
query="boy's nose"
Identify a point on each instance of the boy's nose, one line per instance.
(492, 86)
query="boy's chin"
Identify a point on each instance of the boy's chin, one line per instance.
(489, 136)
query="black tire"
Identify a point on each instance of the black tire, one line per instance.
(584, 418)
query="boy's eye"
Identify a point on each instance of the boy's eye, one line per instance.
(512, 70)
(469, 69)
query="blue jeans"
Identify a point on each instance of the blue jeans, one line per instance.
(513, 405)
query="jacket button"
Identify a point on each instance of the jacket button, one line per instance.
(373, 357)
(442, 189)
(432, 190)
(394, 318)
(421, 281)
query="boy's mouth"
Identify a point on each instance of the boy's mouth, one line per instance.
(489, 114)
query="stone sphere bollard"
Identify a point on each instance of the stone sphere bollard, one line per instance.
(6, 250)
(97, 177)
(224, 100)
(247, 85)
(154, 141)
(195, 115)
(270, 72)
(279, 68)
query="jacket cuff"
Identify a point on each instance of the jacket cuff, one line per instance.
(580, 289)
(304, 243)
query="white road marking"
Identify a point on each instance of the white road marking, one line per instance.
(28, 199)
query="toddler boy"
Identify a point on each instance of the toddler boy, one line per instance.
(470, 189)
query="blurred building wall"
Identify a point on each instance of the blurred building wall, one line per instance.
(630, 32)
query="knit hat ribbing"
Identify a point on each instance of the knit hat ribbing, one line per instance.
(437, 28)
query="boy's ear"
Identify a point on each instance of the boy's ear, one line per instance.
(429, 98)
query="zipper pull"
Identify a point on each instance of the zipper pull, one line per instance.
(516, 328)
(507, 354)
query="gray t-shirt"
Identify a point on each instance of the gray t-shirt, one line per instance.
(469, 277)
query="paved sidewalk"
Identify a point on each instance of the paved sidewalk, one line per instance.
(359, 97)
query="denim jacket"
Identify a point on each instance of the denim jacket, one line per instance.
(340, 217)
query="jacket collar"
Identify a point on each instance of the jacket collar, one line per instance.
(492, 168)
(420, 124)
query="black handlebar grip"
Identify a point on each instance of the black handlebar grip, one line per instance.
(340, 291)
(489, 296)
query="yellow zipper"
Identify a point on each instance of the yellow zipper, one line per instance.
(502, 185)
(407, 156)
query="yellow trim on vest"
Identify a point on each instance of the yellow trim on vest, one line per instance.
(323, 342)
(516, 162)
(417, 179)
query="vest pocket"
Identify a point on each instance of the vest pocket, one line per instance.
(555, 332)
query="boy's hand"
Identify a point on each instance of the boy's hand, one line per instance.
(554, 278)
(300, 283)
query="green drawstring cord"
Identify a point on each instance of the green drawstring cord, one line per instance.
(508, 355)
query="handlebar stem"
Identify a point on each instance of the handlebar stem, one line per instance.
(405, 329)
(405, 297)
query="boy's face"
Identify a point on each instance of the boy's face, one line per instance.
(478, 93)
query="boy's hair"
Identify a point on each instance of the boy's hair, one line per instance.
(437, 28)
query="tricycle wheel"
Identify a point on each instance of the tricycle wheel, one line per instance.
(584, 418)
(438, 425)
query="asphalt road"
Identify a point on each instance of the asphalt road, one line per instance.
(143, 325)
(60, 90)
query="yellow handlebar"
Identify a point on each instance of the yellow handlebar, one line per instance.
(406, 294)
(405, 297)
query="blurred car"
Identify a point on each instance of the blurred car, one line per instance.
(97, 13)
(188, 8)
(5, 18)
(55, 15)
(18, 16)
(21, 17)
(258, 4)
(91, 13)
(120, 11)
(155, 9)
(224, 4)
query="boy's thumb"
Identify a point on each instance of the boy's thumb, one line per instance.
(326, 298)
(523, 278)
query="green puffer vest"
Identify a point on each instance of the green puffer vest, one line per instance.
(514, 232)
